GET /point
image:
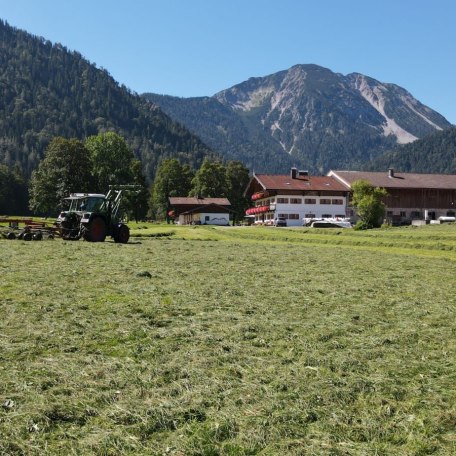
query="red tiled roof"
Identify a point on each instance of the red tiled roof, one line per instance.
(206, 207)
(179, 200)
(400, 180)
(308, 183)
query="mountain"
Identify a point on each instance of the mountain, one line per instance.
(47, 90)
(307, 116)
(435, 153)
(226, 131)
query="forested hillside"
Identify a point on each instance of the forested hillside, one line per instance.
(224, 130)
(435, 153)
(47, 91)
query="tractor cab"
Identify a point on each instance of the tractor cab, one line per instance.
(85, 202)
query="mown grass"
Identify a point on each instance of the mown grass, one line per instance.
(233, 341)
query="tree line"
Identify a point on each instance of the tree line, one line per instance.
(13, 191)
(91, 166)
(213, 179)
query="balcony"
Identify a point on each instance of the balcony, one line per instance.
(257, 210)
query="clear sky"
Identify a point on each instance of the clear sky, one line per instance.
(199, 47)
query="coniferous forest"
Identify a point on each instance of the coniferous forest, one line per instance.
(435, 153)
(47, 90)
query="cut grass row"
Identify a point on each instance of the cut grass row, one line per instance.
(429, 241)
(227, 341)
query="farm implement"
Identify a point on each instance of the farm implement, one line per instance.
(27, 229)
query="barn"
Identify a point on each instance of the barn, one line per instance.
(411, 196)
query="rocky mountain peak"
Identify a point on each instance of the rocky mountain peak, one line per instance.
(317, 118)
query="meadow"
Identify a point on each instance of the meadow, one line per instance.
(230, 341)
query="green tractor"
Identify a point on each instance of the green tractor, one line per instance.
(93, 216)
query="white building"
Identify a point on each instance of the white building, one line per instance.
(199, 210)
(296, 196)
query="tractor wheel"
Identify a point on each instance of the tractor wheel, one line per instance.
(122, 234)
(10, 235)
(27, 236)
(96, 231)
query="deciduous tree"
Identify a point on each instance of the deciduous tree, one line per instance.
(368, 201)
(237, 176)
(172, 179)
(111, 160)
(210, 180)
(66, 168)
(138, 202)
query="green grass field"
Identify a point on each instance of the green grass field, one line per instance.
(230, 341)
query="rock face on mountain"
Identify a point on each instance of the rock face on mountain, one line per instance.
(308, 116)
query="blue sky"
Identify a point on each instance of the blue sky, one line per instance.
(198, 47)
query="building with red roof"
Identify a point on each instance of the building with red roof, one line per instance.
(200, 211)
(295, 197)
(411, 196)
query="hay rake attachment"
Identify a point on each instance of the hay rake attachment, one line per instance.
(27, 229)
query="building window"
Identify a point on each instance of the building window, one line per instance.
(295, 201)
(310, 201)
(285, 216)
(325, 201)
(416, 215)
(326, 216)
(337, 201)
(282, 200)
(309, 216)
(403, 214)
(340, 215)
(293, 216)
(389, 213)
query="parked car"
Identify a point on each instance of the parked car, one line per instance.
(280, 221)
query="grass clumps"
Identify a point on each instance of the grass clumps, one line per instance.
(237, 341)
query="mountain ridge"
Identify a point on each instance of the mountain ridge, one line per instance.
(310, 116)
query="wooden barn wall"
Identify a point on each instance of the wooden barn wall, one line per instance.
(421, 198)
